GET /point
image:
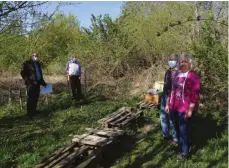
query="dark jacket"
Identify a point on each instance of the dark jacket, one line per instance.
(169, 75)
(28, 73)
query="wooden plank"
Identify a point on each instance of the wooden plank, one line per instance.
(70, 158)
(109, 133)
(127, 120)
(93, 140)
(117, 116)
(54, 156)
(120, 119)
(90, 158)
(56, 161)
(129, 109)
(109, 116)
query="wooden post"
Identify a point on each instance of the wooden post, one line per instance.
(85, 82)
(47, 101)
(9, 95)
(20, 99)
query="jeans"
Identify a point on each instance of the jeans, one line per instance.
(166, 122)
(182, 128)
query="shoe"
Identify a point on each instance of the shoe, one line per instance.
(166, 138)
(174, 143)
(182, 157)
(29, 118)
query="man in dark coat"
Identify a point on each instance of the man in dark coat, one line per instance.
(32, 74)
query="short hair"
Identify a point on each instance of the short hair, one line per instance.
(174, 56)
(35, 54)
(188, 57)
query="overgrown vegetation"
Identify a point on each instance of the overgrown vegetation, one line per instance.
(25, 143)
(141, 38)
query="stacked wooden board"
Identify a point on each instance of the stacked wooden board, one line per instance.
(143, 105)
(87, 147)
(121, 118)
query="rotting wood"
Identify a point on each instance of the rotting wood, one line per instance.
(71, 157)
(121, 119)
(90, 140)
(46, 161)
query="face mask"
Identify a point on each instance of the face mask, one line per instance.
(35, 58)
(172, 64)
(73, 59)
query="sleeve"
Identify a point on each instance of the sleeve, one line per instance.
(195, 88)
(79, 69)
(67, 67)
(43, 83)
(167, 83)
(24, 71)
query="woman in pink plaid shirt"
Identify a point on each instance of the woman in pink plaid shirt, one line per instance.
(182, 102)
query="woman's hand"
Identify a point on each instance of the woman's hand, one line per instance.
(167, 108)
(188, 114)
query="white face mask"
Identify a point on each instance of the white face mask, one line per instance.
(35, 58)
(172, 64)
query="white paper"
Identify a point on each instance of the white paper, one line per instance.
(47, 89)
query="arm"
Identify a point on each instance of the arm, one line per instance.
(79, 69)
(195, 90)
(43, 83)
(165, 88)
(24, 73)
(67, 69)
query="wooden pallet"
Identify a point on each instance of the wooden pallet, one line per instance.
(143, 105)
(87, 147)
(84, 149)
(121, 118)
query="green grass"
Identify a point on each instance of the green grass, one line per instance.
(24, 143)
(210, 146)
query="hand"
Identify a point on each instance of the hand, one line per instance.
(188, 114)
(167, 109)
(45, 84)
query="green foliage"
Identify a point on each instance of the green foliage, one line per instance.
(211, 53)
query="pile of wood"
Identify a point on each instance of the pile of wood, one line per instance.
(143, 105)
(87, 147)
(83, 150)
(121, 118)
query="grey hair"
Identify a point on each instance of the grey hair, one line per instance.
(174, 56)
(188, 57)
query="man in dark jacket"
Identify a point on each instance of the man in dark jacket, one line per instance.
(32, 74)
(166, 122)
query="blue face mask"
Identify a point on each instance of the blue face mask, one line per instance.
(172, 64)
(73, 59)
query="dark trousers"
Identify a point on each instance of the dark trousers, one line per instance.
(75, 84)
(33, 92)
(182, 128)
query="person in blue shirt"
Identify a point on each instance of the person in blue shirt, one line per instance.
(32, 74)
(73, 70)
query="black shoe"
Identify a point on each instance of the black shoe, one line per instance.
(29, 118)
(167, 138)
